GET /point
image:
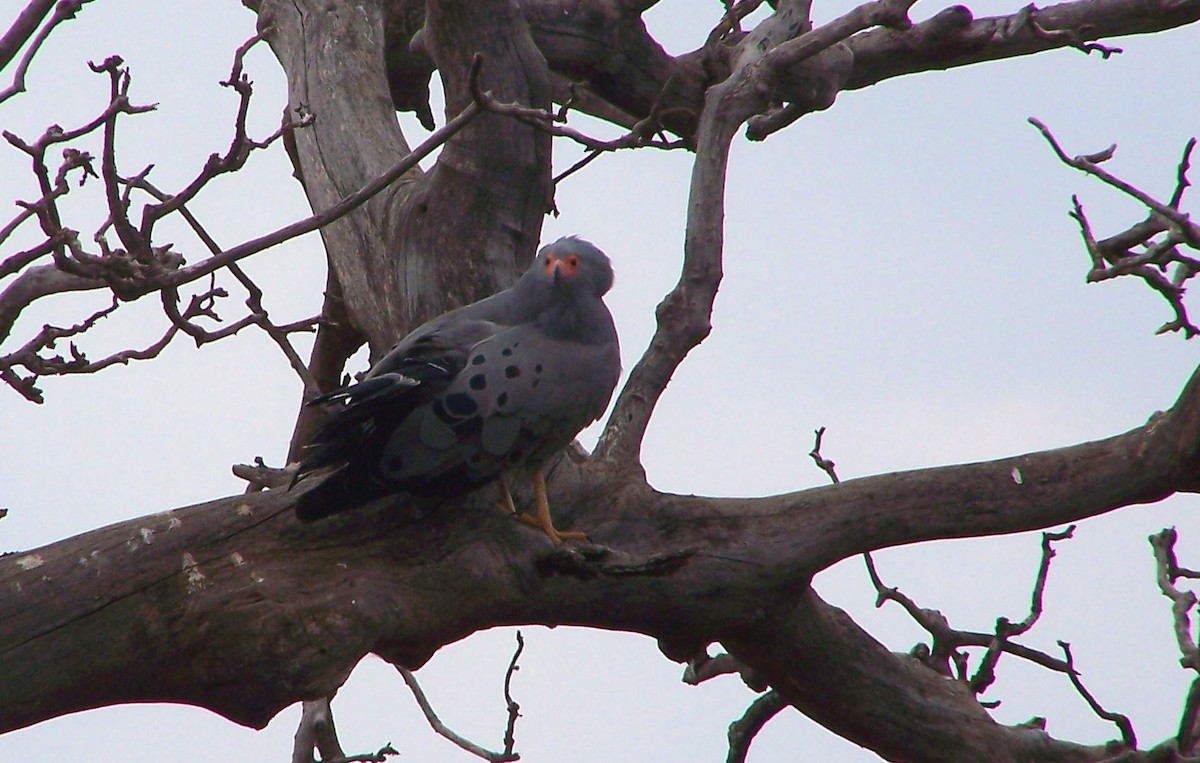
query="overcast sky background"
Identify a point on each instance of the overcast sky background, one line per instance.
(900, 269)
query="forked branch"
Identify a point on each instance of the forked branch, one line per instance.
(1153, 249)
(502, 756)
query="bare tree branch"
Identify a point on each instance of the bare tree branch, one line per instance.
(19, 293)
(743, 730)
(23, 28)
(824, 464)
(442, 729)
(953, 37)
(1121, 721)
(1182, 602)
(1114, 257)
(510, 704)
(316, 731)
(1090, 163)
(751, 554)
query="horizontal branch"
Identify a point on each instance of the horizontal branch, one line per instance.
(240, 587)
(953, 37)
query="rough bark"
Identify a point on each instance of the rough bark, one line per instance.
(234, 606)
(434, 240)
(604, 46)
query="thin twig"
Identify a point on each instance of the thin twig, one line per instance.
(642, 134)
(444, 730)
(1122, 722)
(1089, 164)
(379, 756)
(985, 675)
(1113, 257)
(514, 709)
(948, 641)
(337, 211)
(822, 463)
(1066, 36)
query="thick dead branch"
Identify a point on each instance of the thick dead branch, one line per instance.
(953, 37)
(683, 315)
(23, 27)
(220, 562)
(316, 731)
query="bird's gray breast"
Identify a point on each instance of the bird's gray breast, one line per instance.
(519, 399)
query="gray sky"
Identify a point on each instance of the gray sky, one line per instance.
(900, 269)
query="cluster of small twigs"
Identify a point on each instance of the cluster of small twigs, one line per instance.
(132, 265)
(1153, 249)
(946, 652)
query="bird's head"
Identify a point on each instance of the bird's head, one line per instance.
(574, 264)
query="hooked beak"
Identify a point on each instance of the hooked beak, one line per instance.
(554, 268)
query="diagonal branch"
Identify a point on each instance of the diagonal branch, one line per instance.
(1090, 164)
(442, 729)
(1121, 721)
(742, 731)
(348, 204)
(1115, 257)
(23, 28)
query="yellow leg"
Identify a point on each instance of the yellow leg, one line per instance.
(542, 519)
(505, 505)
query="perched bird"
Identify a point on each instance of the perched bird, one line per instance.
(486, 392)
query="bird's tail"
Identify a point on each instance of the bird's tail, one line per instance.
(344, 489)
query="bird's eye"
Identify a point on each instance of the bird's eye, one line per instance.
(565, 266)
